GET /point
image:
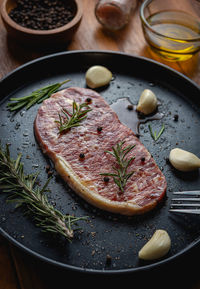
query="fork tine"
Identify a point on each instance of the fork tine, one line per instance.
(197, 193)
(186, 199)
(184, 205)
(186, 211)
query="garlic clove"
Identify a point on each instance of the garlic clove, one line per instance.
(148, 102)
(156, 247)
(97, 76)
(183, 160)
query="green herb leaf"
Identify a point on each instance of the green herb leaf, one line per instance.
(154, 134)
(121, 166)
(36, 96)
(24, 192)
(72, 119)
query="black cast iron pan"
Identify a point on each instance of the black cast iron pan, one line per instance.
(105, 233)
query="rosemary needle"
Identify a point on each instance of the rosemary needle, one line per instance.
(154, 134)
(36, 96)
(24, 191)
(122, 163)
(72, 119)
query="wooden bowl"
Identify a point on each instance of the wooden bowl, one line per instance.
(40, 38)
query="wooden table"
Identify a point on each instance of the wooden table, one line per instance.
(20, 271)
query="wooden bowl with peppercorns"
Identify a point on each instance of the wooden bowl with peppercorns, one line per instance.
(41, 23)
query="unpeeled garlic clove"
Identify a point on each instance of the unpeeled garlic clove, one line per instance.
(183, 160)
(97, 76)
(156, 247)
(148, 102)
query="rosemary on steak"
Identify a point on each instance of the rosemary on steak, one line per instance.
(68, 119)
(36, 96)
(121, 175)
(24, 191)
(154, 134)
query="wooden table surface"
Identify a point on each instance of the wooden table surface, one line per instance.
(20, 271)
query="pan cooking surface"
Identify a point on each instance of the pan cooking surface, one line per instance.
(107, 242)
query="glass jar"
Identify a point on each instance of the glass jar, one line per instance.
(114, 14)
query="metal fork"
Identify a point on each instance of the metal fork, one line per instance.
(187, 202)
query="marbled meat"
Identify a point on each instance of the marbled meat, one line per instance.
(143, 190)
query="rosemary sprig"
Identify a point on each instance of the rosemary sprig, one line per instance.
(24, 191)
(154, 134)
(121, 166)
(36, 96)
(72, 119)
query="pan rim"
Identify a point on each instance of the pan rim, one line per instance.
(88, 270)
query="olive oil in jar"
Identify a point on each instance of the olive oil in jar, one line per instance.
(176, 35)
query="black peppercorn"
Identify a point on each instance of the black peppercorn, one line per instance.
(175, 117)
(82, 156)
(130, 107)
(143, 159)
(99, 128)
(88, 100)
(106, 179)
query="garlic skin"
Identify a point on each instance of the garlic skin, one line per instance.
(156, 247)
(183, 160)
(148, 102)
(97, 76)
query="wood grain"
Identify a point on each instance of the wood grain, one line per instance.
(8, 276)
(18, 271)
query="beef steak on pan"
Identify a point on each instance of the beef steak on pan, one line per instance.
(81, 157)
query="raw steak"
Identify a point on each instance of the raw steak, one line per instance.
(80, 156)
